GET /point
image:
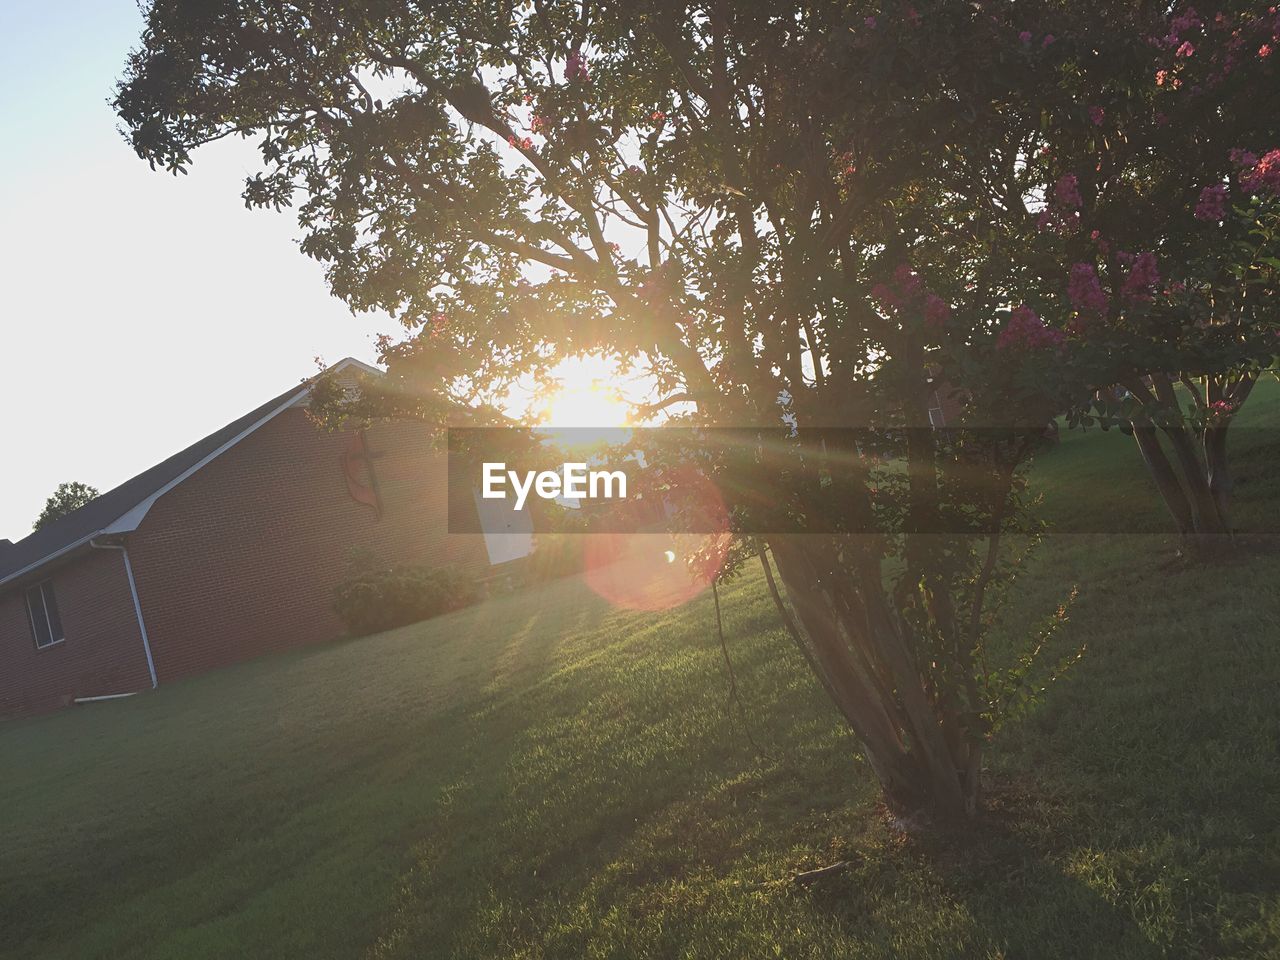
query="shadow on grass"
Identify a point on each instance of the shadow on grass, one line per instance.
(615, 809)
(544, 777)
(1007, 896)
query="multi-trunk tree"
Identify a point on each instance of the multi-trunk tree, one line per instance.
(1152, 134)
(797, 210)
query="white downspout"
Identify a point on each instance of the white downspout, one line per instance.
(137, 607)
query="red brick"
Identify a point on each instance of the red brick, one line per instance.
(238, 560)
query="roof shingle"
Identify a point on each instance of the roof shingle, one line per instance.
(101, 511)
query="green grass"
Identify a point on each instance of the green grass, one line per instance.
(543, 776)
(1095, 480)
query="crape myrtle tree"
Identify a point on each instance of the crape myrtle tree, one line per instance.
(1153, 134)
(738, 198)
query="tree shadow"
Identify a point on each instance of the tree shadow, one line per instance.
(620, 811)
(1002, 878)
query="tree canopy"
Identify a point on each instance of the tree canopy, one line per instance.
(826, 212)
(67, 498)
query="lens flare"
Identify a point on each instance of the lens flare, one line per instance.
(658, 570)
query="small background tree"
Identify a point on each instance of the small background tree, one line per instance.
(67, 498)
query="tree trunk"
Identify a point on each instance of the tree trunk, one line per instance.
(1171, 492)
(1218, 474)
(863, 654)
(1206, 520)
(1196, 485)
(1215, 446)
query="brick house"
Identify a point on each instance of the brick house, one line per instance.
(225, 551)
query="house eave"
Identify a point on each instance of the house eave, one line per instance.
(129, 521)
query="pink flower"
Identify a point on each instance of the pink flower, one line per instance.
(1061, 210)
(1264, 177)
(1186, 50)
(907, 290)
(575, 67)
(1242, 158)
(657, 116)
(1162, 77)
(1048, 39)
(870, 22)
(1067, 192)
(1085, 290)
(1025, 330)
(1143, 278)
(1025, 36)
(1187, 20)
(1213, 203)
(539, 123)
(1221, 410)
(1096, 114)
(1264, 51)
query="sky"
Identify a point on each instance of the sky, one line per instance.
(138, 311)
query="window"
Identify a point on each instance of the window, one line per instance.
(46, 626)
(936, 417)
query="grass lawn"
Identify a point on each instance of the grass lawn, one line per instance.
(545, 777)
(1095, 480)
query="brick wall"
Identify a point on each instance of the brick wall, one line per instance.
(242, 558)
(102, 652)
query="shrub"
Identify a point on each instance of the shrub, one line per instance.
(554, 555)
(374, 598)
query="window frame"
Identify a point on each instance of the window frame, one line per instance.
(936, 407)
(39, 589)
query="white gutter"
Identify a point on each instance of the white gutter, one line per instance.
(128, 522)
(137, 607)
(105, 696)
(49, 557)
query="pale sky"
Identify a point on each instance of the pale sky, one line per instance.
(139, 311)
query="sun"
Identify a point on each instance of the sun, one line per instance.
(591, 405)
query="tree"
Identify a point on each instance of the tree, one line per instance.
(67, 498)
(738, 198)
(1153, 244)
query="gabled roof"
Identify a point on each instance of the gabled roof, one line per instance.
(121, 509)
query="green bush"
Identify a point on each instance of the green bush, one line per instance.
(554, 555)
(374, 598)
